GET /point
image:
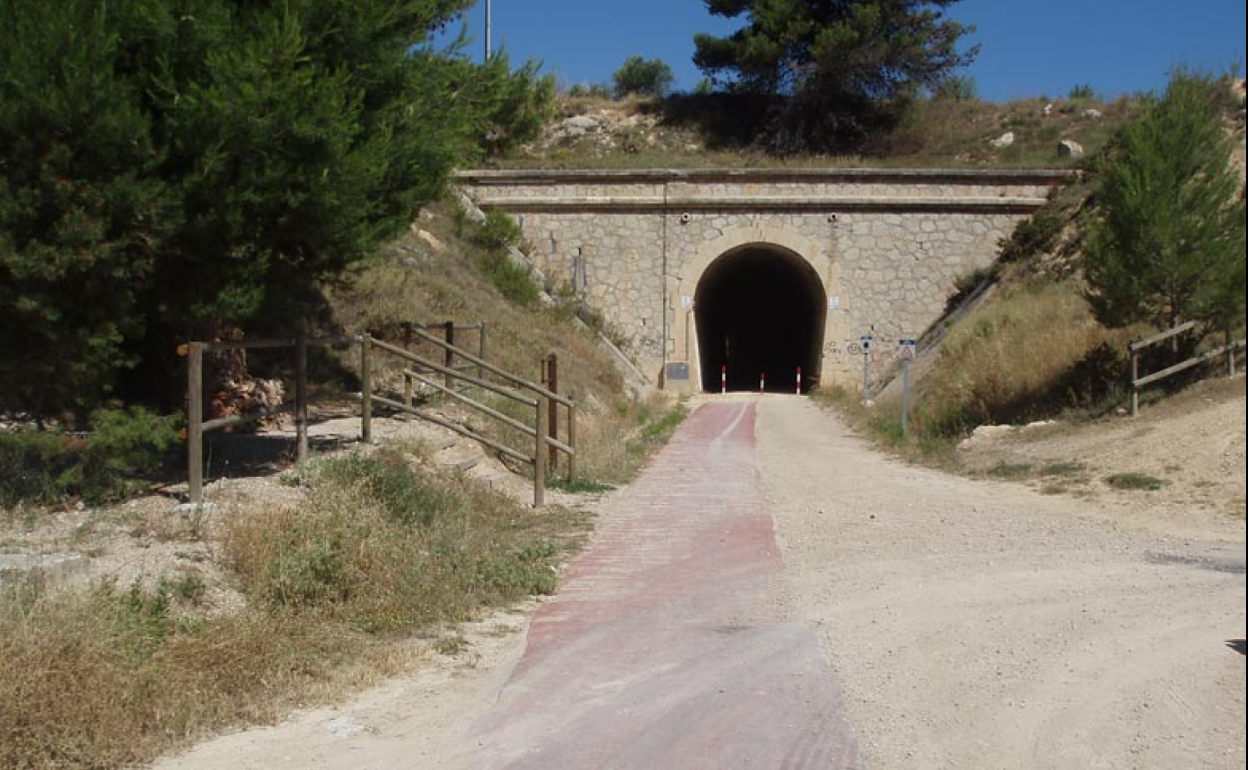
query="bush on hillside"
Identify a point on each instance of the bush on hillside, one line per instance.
(1170, 244)
(124, 450)
(643, 77)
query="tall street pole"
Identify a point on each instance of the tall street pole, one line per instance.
(489, 27)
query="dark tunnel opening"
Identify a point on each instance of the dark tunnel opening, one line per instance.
(760, 310)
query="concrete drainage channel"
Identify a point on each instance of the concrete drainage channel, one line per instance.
(44, 568)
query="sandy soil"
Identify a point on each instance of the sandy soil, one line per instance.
(972, 624)
(979, 624)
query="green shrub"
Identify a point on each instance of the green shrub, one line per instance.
(124, 449)
(643, 77)
(527, 571)
(1034, 235)
(1139, 481)
(512, 280)
(405, 497)
(37, 467)
(498, 231)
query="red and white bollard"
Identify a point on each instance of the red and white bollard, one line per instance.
(799, 380)
(762, 382)
(723, 380)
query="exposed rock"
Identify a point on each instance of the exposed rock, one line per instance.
(1093, 114)
(1069, 148)
(434, 242)
(1003, 141)
(583, 122)
(984, 434)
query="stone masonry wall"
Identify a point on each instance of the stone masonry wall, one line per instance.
(888, 246)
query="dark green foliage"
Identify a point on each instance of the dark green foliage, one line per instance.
(494, 235)
(837, 69)
(124, 449)
(1082, 92)
(81, 210)
(512, 280)
(1035, 235)
(1170, 244)
(496, 231)
(172, 169)
(37, 466)
(520, 103)
(1139, 481)
(639, 76)
(957, 88)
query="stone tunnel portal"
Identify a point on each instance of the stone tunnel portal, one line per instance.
(760, 309)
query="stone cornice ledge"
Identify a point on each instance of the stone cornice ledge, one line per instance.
(487, 177)
(773, 203)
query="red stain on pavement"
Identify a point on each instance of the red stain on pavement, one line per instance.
(664, 649)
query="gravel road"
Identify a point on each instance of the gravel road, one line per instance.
(978, 624)
(969, 624)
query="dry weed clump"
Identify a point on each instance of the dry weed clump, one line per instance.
(1034, 350)
(379, 550)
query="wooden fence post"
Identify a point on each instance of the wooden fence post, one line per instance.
(195, 421)
(301, 396)
(550, 379)
(539, 455)
(1135, 375)
(449, 357)
(366, 387)
(481, 349)
(1230, 355)
(572, 443)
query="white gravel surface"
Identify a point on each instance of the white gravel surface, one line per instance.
(972, 625)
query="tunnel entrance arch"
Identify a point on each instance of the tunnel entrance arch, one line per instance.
(760, 309)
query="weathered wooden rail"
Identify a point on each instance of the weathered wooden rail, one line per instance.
(1138, 383)
(417, 368)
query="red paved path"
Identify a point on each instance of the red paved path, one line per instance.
(665, 649)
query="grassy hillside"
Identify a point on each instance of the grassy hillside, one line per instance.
(1026, 346)
(697, 132)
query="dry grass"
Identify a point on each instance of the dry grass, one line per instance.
(113, 675)
(1034, 350)
(932, 133)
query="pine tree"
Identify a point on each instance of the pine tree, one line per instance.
(1169, 246)
(172, 168)
(835, 68)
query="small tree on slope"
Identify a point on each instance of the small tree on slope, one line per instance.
(1169, 247)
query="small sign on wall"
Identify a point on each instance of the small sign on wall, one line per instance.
(834, 302)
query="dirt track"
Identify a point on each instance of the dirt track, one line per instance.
(970, 625)
(983, 625)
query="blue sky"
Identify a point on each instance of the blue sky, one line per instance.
(1029, 48)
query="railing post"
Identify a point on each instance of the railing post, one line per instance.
(301, 395)
(550, 380)
(572, 443)
(366, 387)
(449, 358)
(195, 421)
(1135, 376)
(1230, 355)
(481, 350)
(539, 455)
